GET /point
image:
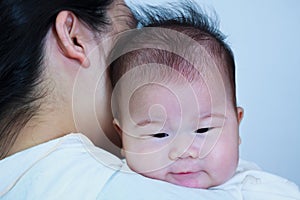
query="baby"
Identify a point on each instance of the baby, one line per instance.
(174, 101)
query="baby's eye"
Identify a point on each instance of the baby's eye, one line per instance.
(160, 135)
(202, 130)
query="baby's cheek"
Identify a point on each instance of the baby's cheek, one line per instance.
(229, 164)
(225, 159)
(146, 162)
(159, 174)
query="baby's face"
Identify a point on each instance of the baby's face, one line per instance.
(183, 134)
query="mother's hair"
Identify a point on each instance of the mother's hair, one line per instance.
(24, 26)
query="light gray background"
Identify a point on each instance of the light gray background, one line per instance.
(265, 38)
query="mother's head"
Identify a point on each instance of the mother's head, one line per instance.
(52, 69)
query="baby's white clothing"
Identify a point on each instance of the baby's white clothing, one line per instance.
(71, 167)
(251, 183)
(66, 168)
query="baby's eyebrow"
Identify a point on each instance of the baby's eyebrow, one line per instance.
(145, 122)
(214, 115)
(148, 121)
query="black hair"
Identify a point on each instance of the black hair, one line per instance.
(185, 17)
(24, 26)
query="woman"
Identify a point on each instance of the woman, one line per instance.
(37, 32)
(44, 46)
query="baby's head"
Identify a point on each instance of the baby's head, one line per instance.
(174, 101)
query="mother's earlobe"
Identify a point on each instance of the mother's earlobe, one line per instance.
(70, 34)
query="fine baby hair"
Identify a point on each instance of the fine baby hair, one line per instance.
(157, 42)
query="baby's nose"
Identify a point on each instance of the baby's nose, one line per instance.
(187, 147)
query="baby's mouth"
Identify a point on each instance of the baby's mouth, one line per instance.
(181, 176)
(183, 173)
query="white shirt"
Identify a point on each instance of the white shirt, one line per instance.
(71, 167)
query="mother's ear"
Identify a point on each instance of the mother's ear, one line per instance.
(70, 35)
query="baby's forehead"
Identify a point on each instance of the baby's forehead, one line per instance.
(159, 81)
(174, 101)
(173, 97)
(171, 92)
(180, 75)
(178, 87)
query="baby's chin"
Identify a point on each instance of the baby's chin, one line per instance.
(196, 184)
(204, 181)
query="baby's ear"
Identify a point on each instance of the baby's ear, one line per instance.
(240, 114)
(116, 125)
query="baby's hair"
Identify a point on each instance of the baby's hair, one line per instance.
(161, 37)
